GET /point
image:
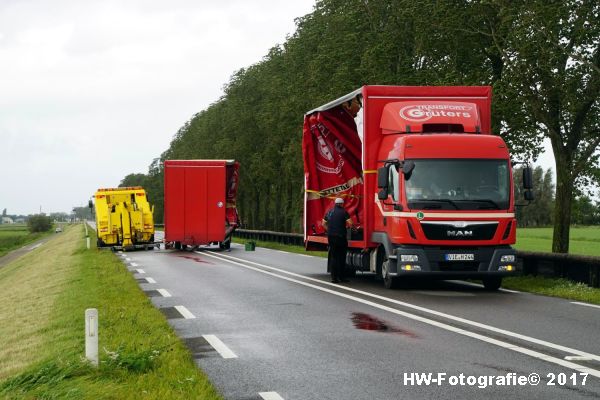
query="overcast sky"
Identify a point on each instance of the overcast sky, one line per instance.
(93, 90)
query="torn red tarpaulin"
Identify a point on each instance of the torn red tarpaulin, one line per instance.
(332, 165)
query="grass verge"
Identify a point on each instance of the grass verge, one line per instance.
(45, 294)
(555, 287)
(562, 288)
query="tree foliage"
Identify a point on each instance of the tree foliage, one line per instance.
(39, 223)
(542, 59)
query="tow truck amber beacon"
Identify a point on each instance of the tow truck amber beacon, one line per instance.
(428, 185)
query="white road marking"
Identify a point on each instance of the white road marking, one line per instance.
(270, 396)
(480, 286)
(127, 258)
(134, 264)
(140, 271)
(219, 346)
(577, 358)
(441, 325)
(150, 280)
(164, 293)
(185, 312)
(585, 304)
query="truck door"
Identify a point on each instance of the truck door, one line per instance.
(205, 204)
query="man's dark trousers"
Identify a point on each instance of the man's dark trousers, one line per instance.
(337, 256)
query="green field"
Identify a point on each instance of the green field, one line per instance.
(584, 240)
(44, 296)
(15, 236)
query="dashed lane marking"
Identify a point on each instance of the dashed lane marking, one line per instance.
(185, 313)
(219, 346)
(270, 396)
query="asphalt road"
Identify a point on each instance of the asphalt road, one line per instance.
(269, 325)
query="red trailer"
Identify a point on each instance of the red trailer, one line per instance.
(200, 202)
(427, 184)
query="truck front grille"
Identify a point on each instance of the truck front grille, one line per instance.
(437, 231)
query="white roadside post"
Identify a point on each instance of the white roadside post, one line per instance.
(88, 242)
(91, 335)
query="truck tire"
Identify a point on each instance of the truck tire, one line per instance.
(388, 281)
(225, 245)
(492, 282)
(177, 246)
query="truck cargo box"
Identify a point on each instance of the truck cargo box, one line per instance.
(200, 202)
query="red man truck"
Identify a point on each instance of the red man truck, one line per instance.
(200, 202)
(428, 186)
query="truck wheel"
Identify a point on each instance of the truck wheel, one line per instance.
(177, 246)
(492, 283)
(225, 245)
(388, 281)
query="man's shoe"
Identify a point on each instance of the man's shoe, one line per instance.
(345, 280)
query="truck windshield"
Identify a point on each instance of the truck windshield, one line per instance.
(458, 185)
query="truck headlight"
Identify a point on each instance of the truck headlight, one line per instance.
(508, 258)
(509, 268)
(409, 258)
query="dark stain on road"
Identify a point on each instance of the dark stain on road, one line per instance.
(370, 323)
(196, 259)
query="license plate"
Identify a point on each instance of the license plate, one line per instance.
(460, 257)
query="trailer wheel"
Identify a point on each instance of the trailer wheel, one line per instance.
(177, 246)
(492, 283)
(388, 281)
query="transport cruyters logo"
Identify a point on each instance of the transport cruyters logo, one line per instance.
(424, 112)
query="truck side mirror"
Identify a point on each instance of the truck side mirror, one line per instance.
(527, 178)
(408, 168)
(90, 204)
(383, 176)
(383, 182)
(528, 194)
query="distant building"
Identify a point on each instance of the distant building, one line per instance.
(20, 221)
(7, 220)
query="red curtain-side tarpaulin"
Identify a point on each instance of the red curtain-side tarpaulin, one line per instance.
(232, 179)
(332, 166)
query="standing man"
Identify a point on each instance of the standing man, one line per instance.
(335, 221)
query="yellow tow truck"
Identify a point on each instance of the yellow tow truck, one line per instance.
(124, 218)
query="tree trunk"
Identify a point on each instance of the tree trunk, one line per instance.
(562, 210)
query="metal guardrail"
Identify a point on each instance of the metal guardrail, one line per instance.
(578, 268)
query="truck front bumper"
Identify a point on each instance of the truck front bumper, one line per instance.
(453, 263)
